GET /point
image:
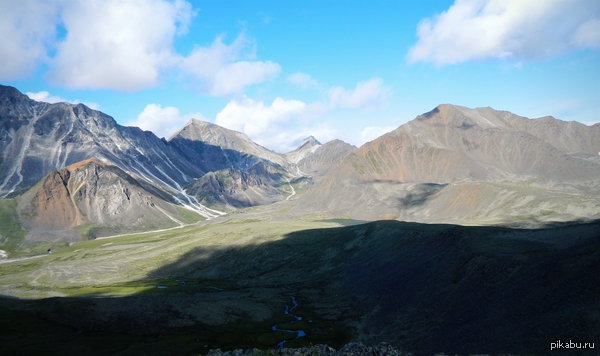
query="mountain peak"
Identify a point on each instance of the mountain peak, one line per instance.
(308, 146)
(310, 141)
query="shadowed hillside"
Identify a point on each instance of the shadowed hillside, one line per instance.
(423, 288)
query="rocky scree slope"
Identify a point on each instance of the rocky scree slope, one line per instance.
(455, 164)
(37, 137)
(99, 197)
(230, 189)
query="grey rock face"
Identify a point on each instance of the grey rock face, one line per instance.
(212, 147)
(229, 189)
(101, 196)
(36, 138)
(308, 146)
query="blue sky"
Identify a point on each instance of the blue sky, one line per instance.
(282, 70)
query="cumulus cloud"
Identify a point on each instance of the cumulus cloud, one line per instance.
(516, 29)
(122, 45)
(162, 121)
(302, 80)
(28, 31)
(276, 126)
(45, 97)
(222, 72)
(116, 44)
(49, 98)
(369, 94)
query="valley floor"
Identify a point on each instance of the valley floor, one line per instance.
(224, 283)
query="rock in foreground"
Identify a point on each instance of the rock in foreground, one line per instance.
(351, 349)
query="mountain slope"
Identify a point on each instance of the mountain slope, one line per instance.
(96, 196)
(307, 146)
(453, 143)
(230, 189)
(36, 138)
(213, 147)
(321, 160)
(426, 169)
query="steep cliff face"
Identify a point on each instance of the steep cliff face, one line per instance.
(53, 207)
(98, 195)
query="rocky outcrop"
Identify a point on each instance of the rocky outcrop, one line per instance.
(95, 194)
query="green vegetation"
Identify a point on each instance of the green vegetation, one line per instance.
(359, 168)
(373, 162)
(225, 285)
(187, 216)
(224, 179)
(12, 232)
(466, 143)
(87, 231)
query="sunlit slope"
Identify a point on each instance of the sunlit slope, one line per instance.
(324, 158)
(464, 162)
(90, 199)
(37, 138)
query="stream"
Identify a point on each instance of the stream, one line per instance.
(288, 311)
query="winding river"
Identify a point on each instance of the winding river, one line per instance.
(288, 311)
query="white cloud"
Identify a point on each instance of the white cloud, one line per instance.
(372, 132)
(302, 80)
(518, 29)
(276, 126)
(28, 31)
(48, 98)
(122, 45)
(162, 121)
(45, 97)
(588, 34)
(220, 70)
(371, 93)
(118, 45)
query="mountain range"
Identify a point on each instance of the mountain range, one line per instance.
(491, 246)
(70, 166)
